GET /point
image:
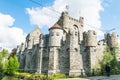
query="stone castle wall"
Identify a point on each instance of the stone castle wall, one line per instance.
(66, 49)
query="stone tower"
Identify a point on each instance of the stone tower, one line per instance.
(55, 38)
(112, 39)
(67, 22)
(91, 43)
(73, 30)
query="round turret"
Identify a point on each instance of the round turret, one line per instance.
(55, 35)
(114, 40)
(91, 38)
(65, 18)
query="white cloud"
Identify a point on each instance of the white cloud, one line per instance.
(6, 20)
(89, 9)
(42, 17)
(10, 37)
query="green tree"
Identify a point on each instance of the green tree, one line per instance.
(3, 59)
(12, 65)
(114, 61)
(108, 57)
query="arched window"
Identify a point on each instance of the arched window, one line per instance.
(75, 29)
(75, 26)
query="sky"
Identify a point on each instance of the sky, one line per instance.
(20, 17)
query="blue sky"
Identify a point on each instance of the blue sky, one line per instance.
(25, 15)
(110, 17)
(16, 8)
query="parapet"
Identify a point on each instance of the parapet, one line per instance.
(101, 43)
(90, 38)
(65, 14)
(81, 20)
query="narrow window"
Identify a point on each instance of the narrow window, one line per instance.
(57, 34)
(52, 34)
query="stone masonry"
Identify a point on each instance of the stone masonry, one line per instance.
(66, 49)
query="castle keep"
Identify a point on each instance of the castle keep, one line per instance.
(66, 49)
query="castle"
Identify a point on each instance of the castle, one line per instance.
(66, 49)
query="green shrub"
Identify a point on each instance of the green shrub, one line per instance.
(38, 76)
(56, 76)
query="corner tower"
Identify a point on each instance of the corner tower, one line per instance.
(55, 38)
(112, 40)
(90, 42)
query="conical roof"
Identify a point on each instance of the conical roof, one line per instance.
(55, 26)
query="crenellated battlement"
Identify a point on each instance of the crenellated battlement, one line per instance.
(90, 38)
(112, 39)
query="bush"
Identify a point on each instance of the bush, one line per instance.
(1, 74)
(9, 78)
(57, 76)
(75, 76)
(38, 76)
(12, 65)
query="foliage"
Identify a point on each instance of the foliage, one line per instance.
(110, 57)
(114, 61)
(1, 60)
(4, 53)
(12, 65)
(3, 57)
(9, 78)
(39, 77)
(107, 58)
(57, 76)
(1, 74)
(29, 76)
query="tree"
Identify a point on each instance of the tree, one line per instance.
(12, 65)
(108, 57)
(114, 61)
(3, 58)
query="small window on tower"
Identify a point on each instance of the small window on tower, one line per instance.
(76, 49)
(76, 33)
(52, 34)
(57, 34)
(94, 33)
(37, 32)
(67, 49)
(94, 50)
